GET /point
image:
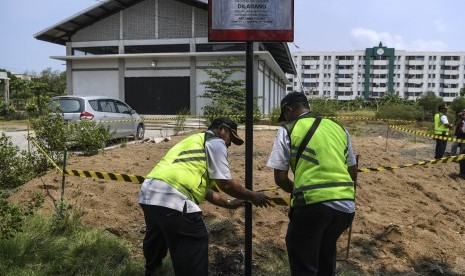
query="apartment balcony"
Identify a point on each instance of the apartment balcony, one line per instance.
(415, 71)
(345, 62)
(346, 97)
(345, 71)
(450, 90)
(413, 90)
(451, 72)
(380, 71)
(451, 82)
(379, 89)
(310, 62)
(451, 62)
(416, 62)
(415, 81)
(309, 79)
(344, 80)
(344, 89)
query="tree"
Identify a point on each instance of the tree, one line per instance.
(429, 102)
(226, 93)
(462, 91)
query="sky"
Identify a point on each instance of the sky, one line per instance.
(325, 25)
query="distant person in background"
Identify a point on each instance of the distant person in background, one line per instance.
(441, 127)
(458, 133)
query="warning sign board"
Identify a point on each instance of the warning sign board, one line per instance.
(251, 20)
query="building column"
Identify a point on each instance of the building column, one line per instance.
(7, 91)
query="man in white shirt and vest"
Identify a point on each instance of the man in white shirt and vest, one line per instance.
(320, 155)
(170, 195)
(441, 128)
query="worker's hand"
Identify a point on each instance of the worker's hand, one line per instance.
(260, 199)
(235, 203)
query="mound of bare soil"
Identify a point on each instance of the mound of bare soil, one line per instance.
(409, 221)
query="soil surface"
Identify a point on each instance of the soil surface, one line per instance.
(409, 221)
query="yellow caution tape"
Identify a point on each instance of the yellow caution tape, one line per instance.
(433, 136)
(107, 176)
(46, 155)
(421, 163)
(371, 119)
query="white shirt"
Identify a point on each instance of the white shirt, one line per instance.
(157, 192)
(280, 159)
(444, 119)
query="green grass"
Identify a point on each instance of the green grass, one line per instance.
(358, 113)
(48, 246)
(7, 125)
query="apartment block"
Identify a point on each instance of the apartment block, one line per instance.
(377, 71)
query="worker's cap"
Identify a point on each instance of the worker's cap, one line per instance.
(289, 99)
(443, 106)
(232, 126)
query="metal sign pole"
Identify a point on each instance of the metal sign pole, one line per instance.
(248, 155)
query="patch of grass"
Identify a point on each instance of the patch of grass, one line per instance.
(358, 113)
(76, 249)
(13, 125)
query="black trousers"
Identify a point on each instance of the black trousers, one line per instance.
(311, 238)
(440, 148)
(183, 234)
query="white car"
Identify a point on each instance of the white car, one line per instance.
(122, 120)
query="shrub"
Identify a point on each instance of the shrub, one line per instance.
(399, 112)
(274, 116)
(429, 103)
(16, 167)
(88, 136)
(54, 135)
(12, 216)
(323, 106)
(6, 109)
(51, 135)
(11, 220)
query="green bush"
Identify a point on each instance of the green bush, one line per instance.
(51, 135)
(88, 136)
(16, 167)
(399, 112)
(429, 103)
(11, 220)
(54, 135)
(323, 106)
(274, 116)
(12, 216)
(6, 109)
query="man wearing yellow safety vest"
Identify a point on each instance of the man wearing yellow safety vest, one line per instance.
(170, 195)
(441, 127)
(320, 155)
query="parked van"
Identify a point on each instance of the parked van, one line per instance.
(122, 120)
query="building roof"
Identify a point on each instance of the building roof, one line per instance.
(61, 32)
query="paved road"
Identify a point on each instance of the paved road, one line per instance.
(19, 137)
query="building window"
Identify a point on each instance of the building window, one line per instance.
(104, 50)
(220, 47)
(141, 49)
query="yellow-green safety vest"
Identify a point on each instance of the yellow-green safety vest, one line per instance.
(184, 167)
(439, 127)
(321, 173)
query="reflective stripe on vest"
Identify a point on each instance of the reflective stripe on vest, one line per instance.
(184, 167)
(321, 173)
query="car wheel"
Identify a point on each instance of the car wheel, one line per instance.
(140, 132)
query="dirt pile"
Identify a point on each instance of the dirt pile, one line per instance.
(409, 221)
